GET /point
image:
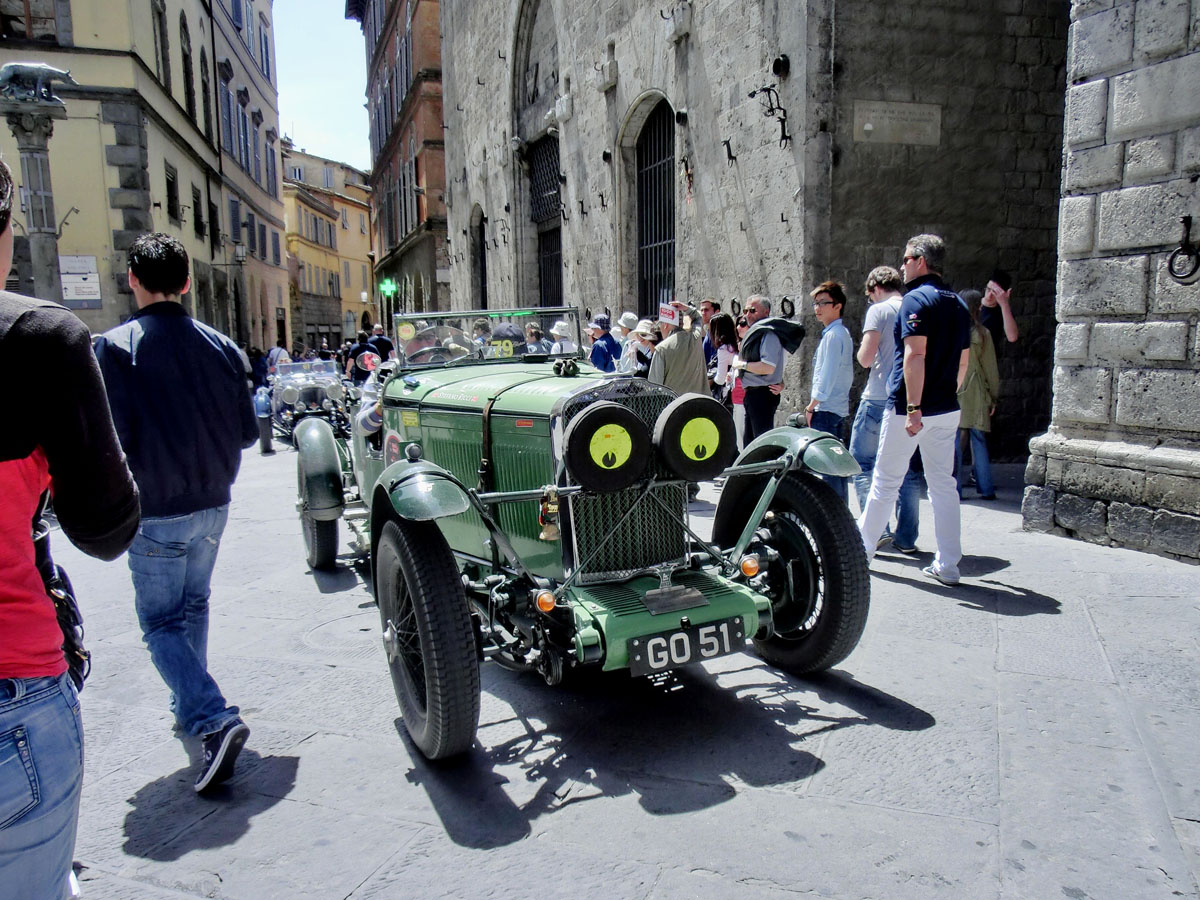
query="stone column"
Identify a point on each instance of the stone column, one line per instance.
(1121, 462)
(32, 124)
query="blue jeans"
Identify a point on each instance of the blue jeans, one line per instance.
(832, 423)
(41, 775)
(171, 561)
(980, 460)
(864, 444)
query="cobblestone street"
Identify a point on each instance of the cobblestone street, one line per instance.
(1024, 735)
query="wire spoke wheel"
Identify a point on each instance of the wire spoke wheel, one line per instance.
(428, 637)
(820, 586)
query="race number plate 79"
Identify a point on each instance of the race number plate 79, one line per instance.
(696, 643)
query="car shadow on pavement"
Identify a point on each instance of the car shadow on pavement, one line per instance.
(169, 819)
(341, 579)
(679, 743)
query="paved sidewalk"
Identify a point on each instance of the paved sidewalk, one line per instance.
(1030, 734)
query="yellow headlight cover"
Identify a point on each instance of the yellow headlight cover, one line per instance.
(699, 438)
(610, 447)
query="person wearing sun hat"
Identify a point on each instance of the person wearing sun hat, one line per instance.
(629, 344)
(561, 332)
(642, 337)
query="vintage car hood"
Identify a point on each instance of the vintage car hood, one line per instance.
(527, 389)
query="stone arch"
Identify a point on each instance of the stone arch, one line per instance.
(626, 187)
(537, 232)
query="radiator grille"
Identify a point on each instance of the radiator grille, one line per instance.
(650, 535)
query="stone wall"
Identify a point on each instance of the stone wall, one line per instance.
(760, 206)
(1121, 461)
(990, 186)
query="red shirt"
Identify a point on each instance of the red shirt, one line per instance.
(30, 639)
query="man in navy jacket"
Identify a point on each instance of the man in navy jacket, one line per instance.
(183, 414)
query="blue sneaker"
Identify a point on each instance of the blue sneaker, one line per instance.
(221, 749)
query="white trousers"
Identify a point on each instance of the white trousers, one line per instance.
(896, 447)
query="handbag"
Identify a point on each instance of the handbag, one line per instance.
(66, 609)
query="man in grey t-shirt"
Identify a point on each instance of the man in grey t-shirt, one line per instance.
(762, 377)
(884, 289)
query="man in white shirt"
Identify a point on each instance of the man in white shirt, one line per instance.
(884, 289)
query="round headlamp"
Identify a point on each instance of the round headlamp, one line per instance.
(289, 395)
(334, 391)
(327, 405)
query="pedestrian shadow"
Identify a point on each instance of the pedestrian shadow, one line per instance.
(679, 742)
(169, 819)
(999, 598)
(1019, 601)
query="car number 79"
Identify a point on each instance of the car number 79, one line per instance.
(670, 649)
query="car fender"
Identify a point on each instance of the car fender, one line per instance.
(420, 490)
(812, 449)
(320, 469)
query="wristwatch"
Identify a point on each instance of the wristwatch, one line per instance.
(914, 407)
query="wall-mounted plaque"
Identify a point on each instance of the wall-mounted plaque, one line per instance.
(80, 282)
(881, 122)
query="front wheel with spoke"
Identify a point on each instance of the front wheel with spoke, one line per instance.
(428, 637)
(819, 586)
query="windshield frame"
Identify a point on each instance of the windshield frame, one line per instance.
(446, 329)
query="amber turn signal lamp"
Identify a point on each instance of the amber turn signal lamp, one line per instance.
(545, 601)
(749, 566)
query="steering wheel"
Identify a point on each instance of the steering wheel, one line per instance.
(435, 354)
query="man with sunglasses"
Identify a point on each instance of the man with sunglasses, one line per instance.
(833, 372)
(932, 335)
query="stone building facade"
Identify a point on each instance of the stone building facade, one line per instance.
(141, 148)
(1121, 461)
(609, 154)
(404, 106)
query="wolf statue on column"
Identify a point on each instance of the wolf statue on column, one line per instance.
(32, 82)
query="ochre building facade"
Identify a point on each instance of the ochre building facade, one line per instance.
(145, 146)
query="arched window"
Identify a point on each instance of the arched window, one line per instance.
(189, 80)
(656, 210)
(162, 44)
(546, 213)
(206, 95)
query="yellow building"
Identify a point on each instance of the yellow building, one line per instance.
(342, 190)
(314, 270)
(140, 149)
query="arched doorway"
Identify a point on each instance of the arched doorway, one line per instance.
(655, 202)
(479, 278)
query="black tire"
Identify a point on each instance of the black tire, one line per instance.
(820, 587)
(320, 536)
(431, 646)
(321, 542)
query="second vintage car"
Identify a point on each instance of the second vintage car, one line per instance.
(520, 506)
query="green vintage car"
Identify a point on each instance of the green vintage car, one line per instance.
(518, 505)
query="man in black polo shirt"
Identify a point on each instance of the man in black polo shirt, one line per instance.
(932, 346)
(380, 344)
(356, 374)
